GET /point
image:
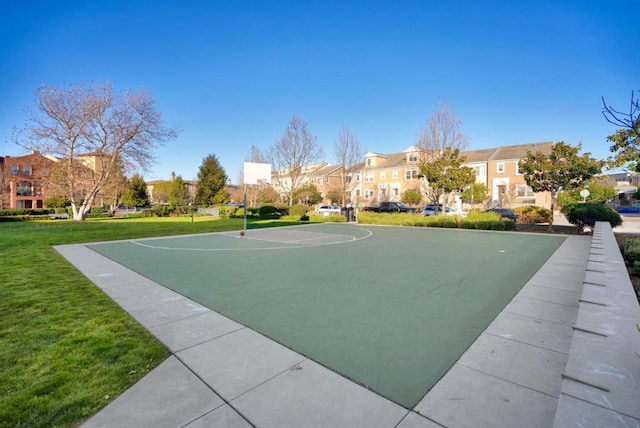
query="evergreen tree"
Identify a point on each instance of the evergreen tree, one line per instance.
(178, 195)
(212, 179)
(136, 193)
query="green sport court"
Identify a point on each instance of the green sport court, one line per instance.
(391, 308)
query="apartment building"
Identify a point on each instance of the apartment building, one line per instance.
(385, 177)
(23, 179)
(506, 183)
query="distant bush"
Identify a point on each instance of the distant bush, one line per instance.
(447, 221)
(160, 210)
(487, 221)
(630, 250)
(56, 203)
(26, 212)
(588, 214)
(289, 218)
(269, 211)
(532, 214)
(298, 210)
(331, 218)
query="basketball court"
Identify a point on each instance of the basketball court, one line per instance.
(389, 308)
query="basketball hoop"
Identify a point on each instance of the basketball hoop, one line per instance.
(254, 174)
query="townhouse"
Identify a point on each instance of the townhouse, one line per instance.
(385, 177)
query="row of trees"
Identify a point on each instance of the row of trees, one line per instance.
(99, 136)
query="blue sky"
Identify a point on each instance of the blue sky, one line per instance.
(230, 74)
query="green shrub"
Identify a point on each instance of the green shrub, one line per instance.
(161, 210)
(97, 210)
(331, 218)
(588, 214)
(290, 218)
(448, 221)
(298, 210)
(56, 202)
(268, 211)
(532, 214)
(25, 212)
(630, 250)
(636, 267)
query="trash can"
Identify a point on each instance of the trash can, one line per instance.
(349, 214)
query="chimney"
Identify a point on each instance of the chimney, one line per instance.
(173, 176)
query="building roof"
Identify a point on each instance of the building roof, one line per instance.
(482, 155)
(521, 150)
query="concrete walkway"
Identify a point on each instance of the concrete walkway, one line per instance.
(223, 374)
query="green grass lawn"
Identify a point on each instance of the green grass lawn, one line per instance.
(66, 349)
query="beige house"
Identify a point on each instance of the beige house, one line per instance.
(506, 183)
(385, 177)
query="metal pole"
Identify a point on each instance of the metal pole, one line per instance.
(245, 209)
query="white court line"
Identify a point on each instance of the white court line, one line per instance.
(284, 247)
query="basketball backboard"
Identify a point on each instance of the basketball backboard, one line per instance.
(256, 173)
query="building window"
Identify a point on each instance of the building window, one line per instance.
(349, 177)
(15, 169)
(24, 188)
(319, 181)
(357, 177)
(479, 170)
(368, 178)
(368, 193)
(327, 179)
(518, 172)
(27, 170)
(413, 157)
(500, 167)
(369, 162)
(524, 191)
(383, 176)
(358, 193)
(394, 175)
(411, 174)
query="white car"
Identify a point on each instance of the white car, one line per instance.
(430, 210)
(329, 209)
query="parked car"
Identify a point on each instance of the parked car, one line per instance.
(431, 210)
(504, 213)
(329, 209)
(391, 207)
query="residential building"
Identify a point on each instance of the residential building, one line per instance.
(328, 181)
(282, 182)
(23, 180)
(505, 182)
(385, 177)
(626, 183)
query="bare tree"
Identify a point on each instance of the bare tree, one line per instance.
(443, 130)
(626, 140)
(96, 134)
(293, 156)
(441, 135)
(347, 152)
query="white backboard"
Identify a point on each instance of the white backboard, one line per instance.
(256, 173)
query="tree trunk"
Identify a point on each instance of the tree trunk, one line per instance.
(553, 207)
